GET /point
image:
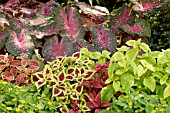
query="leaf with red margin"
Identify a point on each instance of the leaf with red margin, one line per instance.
(21, 43)
(71, 20)
(122, 16)
(141, 28)
(53, 48)
(147, 5)
(103, 39)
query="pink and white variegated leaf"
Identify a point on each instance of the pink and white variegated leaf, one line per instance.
(140, 28)
(2, 39)
(124, 15)
(147, 5)
(19, 43)
(53, 48)
(71, 20)
(103, 39)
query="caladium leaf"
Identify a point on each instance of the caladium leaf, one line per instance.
(103, 39)
(53, 48)
(122, 16)
(71, 20)
(141, 28)
(146, 5)
(2, 39)
(21, 43)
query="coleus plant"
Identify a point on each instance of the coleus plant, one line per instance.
(64, 77)
(17, 70)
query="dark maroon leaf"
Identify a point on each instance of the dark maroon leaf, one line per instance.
(61, 76)
(97, 85)
(69, 77)
(52, 84)
(86, 83)
(103, 39)
(56, 91)
(79, 89)
(39, 83)
(122, 16)
(77, 55)
(74, 104)
(53, 48)
(70, 71)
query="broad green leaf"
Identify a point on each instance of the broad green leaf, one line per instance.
(118, 56)
(150, 83)
(167, 69)
(147, 65)
(112, 67)
(46, 90)
(133, 43)
(107, 93)
(96, 55)
(166, 91)
(119, 71)
(164, 79)
(157, 74)
(140, 70)
(127, 81)
(116, 85)
(131, 54)
(106, 54)
(123, 48)
(144, 47)
(122, 63)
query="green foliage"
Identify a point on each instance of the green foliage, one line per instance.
(138, 101)
(137, 64)
(24, 99)
(160, 27)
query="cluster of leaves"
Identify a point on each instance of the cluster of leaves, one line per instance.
(94, 86)
(138, 101)
(63, 78)
(24, 99)
(57, 30)
(17, 71)
(160, 27)
(137, 64)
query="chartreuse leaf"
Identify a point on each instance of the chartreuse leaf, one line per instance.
(96, 55)
(167, 69)
(164, 79)
(123, 48)
(133, 43)
(150, 83)
(116, 85)
(131, 54)
(106, 54)
(107, 93)
(166, 91)
(117, 56)
(127, 81)
(144, 47)
(112, 67)
(147, 65)
(140, 70)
